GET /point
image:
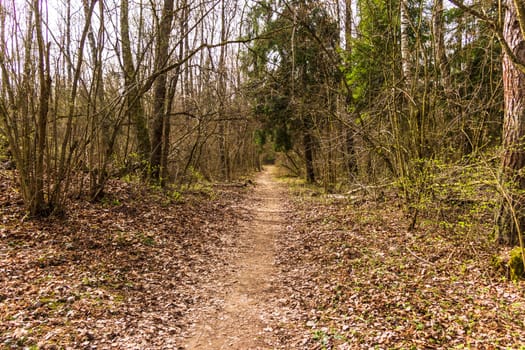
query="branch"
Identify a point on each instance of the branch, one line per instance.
(149, 81)
(313, 34)
(497, 30)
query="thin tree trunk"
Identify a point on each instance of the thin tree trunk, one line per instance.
(308, 145)
(39, 205)
(439, 45)
(133, 97)
(406, 61)
(159, 88)
(22, 104)
(164, 173)
(351, 159)
(223, 145)
(101, 126)
(69, 147)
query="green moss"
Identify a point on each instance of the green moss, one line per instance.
(517, 271)
(500, 264)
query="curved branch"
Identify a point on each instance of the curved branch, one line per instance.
(497, 30)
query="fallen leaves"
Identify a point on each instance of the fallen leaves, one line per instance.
(355, 278)
(117, 274)
(125, 274)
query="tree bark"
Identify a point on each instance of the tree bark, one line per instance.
(133, 98)
(159, 89)
(510, 218)
(101, 151)
(439, 45)
(70, 146)
(221, 91)
(406, 61)
(308, 144)
(351, 159)
(38, 204)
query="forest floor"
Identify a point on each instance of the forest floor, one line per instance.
(276, 265)
(239, 311)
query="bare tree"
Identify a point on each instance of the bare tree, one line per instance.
(24, 119)
(351, 161)
(439, 44)
(222, 95)
(406, 52)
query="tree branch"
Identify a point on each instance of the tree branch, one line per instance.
(495, 26)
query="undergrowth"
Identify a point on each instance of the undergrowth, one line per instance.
(372, 281)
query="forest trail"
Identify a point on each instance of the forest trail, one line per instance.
(235, 317)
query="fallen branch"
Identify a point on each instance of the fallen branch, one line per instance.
(420, 258)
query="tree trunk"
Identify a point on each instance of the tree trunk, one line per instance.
(221, 91)
(164, 170)
(308, 144)
(513, 158)
(351, 159)
(159, 88)
(439, 45)
(70, 146)
(101, 151)
(406, 61)
(133, 98)
(38, 204)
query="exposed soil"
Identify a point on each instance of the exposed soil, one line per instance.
(237, 314)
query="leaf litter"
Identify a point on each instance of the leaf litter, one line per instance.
(115, 274)
(357, 278)
(127, 273)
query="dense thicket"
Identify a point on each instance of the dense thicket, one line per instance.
(96, 89)
(418, 100)
(418, 95)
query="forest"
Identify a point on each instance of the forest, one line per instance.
(262, 174)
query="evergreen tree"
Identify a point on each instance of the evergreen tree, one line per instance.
(292, 72)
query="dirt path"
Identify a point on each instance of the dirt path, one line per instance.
(237, 316)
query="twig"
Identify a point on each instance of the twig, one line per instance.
(420, 258)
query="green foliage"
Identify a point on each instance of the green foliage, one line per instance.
(457, 194)
(282, 140)
(260, 137)
(287, 76)
(322, 337)
(51, 302)
(195, 183)
(176, 196)
(110, 202)
(3, 148)
(147, 239)
(168, 195)
(133, 168)
(195, 175)
(371, 51)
